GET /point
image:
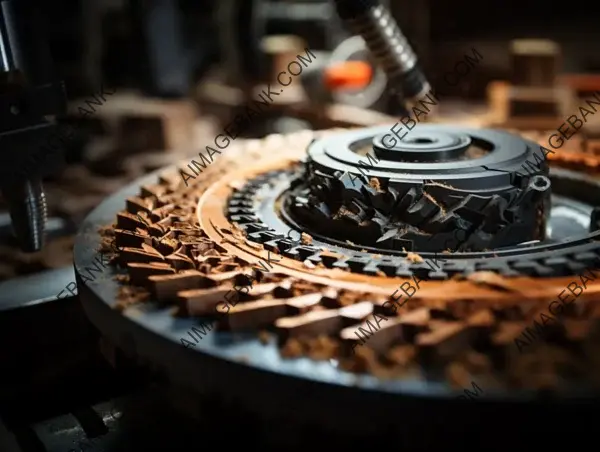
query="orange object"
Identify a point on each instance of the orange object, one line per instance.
(348, 75)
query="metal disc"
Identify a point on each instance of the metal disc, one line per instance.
(239, 366)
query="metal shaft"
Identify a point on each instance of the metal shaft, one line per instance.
(28, 212)
(388, 45)
(25, 68)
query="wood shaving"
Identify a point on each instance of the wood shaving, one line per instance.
(433, 200)
(375, 184)
(491, 279)
(414, 258)
(309, 264)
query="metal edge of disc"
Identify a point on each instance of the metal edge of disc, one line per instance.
(155, 334)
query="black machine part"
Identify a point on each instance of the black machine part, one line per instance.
(415, 192)
(29, 93)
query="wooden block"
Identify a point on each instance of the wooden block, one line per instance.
(499, 97)
(144, 123)
(507, 333)
(303, 302)
(216, 279)
(259, 313)
(253, 314)
(443, 341)
(129, 221)
(388, 330)
(356, 312)
(279, 51)
(125, 238)
(537, 102)
(201, 301)
(155, 191)
(165, 287)
(414, 322)
(312, 323)
(326, 322)
(147, 255)
(139, 272)
(481, 319)
(535, 62)
(380, 337)
(180, 261)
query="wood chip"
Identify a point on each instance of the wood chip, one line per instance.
(325, 322)
(126, 220)
(125, 238)
(253, 314)
(165, 287)
(129, 255)
(139, 272)
(377, 332)
(201, 301)
(444, 341)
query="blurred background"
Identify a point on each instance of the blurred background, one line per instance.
(178, 72)
(181, 71)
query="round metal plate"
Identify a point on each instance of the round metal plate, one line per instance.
(241, 367)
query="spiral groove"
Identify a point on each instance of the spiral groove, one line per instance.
(385, 40)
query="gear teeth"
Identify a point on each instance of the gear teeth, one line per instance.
(380, 220)
(461, 212)
(322, 210)
(493, 214)
(402, 205)
(425, 203)
(301, 252)
(353, 200)
(422, 211)
(352, 184)
(388, 235)
(442, 222)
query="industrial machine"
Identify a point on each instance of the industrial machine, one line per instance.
(317, 208)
